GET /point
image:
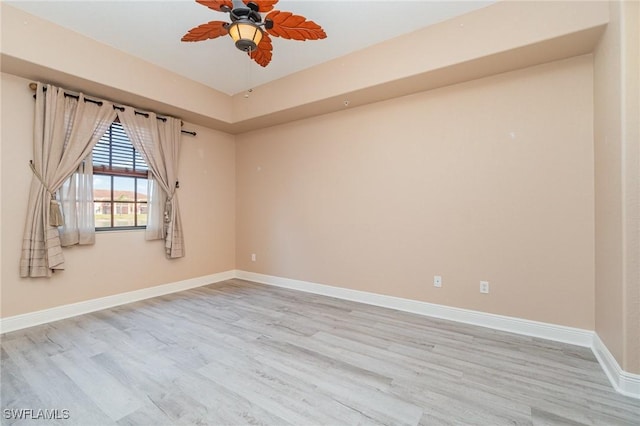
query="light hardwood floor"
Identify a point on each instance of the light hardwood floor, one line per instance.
(243, 353)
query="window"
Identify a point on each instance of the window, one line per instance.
(119, 182)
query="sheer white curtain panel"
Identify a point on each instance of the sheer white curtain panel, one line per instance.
(76, 197)
(65, 132)
(158, 141)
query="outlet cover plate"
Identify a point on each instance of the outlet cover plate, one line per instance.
(437, 281)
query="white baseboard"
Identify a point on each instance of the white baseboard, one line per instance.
(31, 319)
(625, 383)
(574, 336)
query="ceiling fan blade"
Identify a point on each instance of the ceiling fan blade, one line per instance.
(262, 55)
(216, 4)
(263, 5)
(293, 27)
(206, 31)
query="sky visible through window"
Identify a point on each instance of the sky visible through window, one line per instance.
(104, 182)
(120, 184)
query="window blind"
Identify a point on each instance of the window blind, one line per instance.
(114, 152)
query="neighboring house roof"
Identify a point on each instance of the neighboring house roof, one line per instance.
(105, 195)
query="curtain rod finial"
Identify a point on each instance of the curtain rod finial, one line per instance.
(33, 86)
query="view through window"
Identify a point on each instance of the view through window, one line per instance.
(119, 182)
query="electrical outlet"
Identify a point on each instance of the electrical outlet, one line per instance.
(484, 286)
(253, 257)
(437, 281)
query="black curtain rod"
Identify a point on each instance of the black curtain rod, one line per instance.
(119, 108)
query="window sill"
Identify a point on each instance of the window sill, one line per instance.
(121, 229)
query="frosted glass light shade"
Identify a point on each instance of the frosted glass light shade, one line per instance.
(246, 35)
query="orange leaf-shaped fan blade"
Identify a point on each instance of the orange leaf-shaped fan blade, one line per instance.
(263, 5)
(262, 55)
(206, 31)
(294, 27)
(216, 4)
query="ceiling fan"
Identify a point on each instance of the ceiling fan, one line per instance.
(246, 26)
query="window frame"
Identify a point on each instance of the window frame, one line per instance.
(114, 171)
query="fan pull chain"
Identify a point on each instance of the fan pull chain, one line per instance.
(249, 90)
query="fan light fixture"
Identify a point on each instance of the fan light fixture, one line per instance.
(246, 34)
(249, 31)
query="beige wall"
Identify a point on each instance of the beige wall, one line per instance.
(486, 180)
(617, 170)
(119, 261)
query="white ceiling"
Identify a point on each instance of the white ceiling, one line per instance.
(151, 30)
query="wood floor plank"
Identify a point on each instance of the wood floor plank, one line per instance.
(106, 392)
(225, 407)
(52, 388)
(238, 352)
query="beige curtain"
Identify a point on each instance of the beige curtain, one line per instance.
(158, 141)
(65, 131)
